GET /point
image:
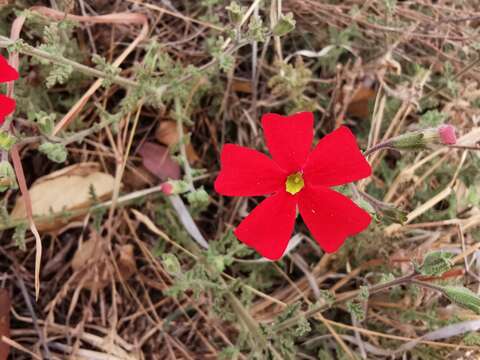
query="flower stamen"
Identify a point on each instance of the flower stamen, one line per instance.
(294, 183)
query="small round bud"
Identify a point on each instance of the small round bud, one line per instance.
(172, 187)
(447, 134)
(167, 188)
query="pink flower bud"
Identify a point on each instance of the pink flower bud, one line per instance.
(447, 134)
(422, 139)
(167, 188)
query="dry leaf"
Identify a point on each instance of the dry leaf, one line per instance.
(96, 270)
(138, 177)
(156, 159)
(359, 103)
(81, 169)
(242, 86)
(91, 263)
(126, 261)
(167, 134)
(4, 322)
(65, 190)
(91, 250)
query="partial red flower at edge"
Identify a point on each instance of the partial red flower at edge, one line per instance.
(7, 73)
(7, 106)
(295, 176)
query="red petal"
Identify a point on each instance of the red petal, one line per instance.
(336, 160)
(7, 73)
(269, 226)
(330, 216)
(7, 106)
(289, 139)
(247, 172)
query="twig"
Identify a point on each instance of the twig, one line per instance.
(383, 145)
(465, 147)
(32, 313)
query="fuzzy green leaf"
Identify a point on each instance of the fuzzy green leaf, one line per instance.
(436, 263)
(462, 296)
(356, 310)
(198, 198)
(6, 140)
(54, 151)
(285, 24)
(236, 12)
(171, 264)
(8, 179)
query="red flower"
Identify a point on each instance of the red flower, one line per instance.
(295, 176)
(7, 73)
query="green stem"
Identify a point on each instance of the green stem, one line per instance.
(373, 289)
(125, 82)
(183, 151)
(58, 59)
(427, 285)
(79, 136)
(384, 145)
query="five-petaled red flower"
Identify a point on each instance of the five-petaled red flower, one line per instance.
(7, 73)
(295, 176)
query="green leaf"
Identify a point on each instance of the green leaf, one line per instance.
(54, 151)
(436, 263)
(303, 327)
(236, 12)
(6, 140)
(228, 353)
(328, 297)
(393, 215)
(472, 339)
(19, 236)
(364, 293)
(171, 264)
(218, 262)
(432, 118)
(225, 61)
(45, 122)
(462, 296)
(8, 179)
(356, 310)
(59, 75)
(289, 312)
(102, 65)
(285, 24)
(256, 30)
(179, 186)
(198, 198)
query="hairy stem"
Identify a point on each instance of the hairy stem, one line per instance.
(383, 145)
(58, 59)
(349, 296)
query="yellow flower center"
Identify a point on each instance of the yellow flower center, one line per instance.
(294, 183)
